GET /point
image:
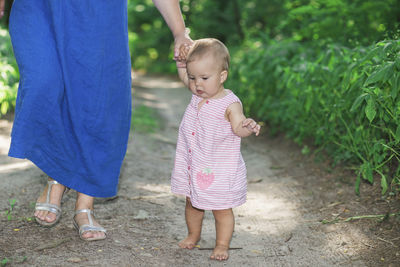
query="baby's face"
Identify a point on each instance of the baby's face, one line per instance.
(205, 77)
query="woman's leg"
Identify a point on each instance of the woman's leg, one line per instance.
(86, 202)
(56, 193)
(194, 221)
(224, 225)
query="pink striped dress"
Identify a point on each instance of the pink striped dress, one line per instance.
(209, 168)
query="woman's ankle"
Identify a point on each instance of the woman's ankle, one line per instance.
(84, 201)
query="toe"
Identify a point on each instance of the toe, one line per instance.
(97, 235)
(51, 217)
(42, 215)
(87, 235)
(101, 235)
(91, 234)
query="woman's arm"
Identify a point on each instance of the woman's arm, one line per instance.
(2, 4)
(171, 12)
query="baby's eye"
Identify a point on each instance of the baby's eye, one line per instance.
(205, 78)
(191, 78)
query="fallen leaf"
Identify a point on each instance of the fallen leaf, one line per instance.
(74, 260)
(142, 215)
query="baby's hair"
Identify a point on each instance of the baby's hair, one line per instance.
(205, 46)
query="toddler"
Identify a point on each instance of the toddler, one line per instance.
(209, 169)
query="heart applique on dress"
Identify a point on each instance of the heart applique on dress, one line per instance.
(205, 178)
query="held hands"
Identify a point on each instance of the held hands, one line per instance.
(181, 58)
(251, 126)
(182, 45)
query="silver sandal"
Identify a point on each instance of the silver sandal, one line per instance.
(47, 206)
(88, 227)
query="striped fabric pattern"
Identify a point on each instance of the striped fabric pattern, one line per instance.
(209, 168)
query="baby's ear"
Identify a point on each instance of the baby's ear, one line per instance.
(224, 76)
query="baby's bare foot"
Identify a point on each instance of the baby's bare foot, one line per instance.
(189, 242)
(220, 253)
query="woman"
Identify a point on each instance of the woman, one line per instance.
(73, 108)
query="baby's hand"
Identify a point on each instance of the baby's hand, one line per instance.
(181, 58)
(252, 126)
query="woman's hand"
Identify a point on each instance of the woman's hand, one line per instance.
(182, 45)
(171, 12)
(2, 4)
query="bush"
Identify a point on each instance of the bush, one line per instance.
(346, 100)
(9, 75)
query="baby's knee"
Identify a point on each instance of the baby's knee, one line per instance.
(219, 214)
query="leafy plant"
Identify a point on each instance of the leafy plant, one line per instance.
(4, 261)
(8, 212)
(345, 99)
(9, 75)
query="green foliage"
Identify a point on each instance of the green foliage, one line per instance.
(150, 40)
(13, 260)
(8, 212)
(340, 21)
(4, 262)
(9, 75)
(347, 22)
(144, 120)
(346, 100)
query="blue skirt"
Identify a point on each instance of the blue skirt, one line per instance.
(73, 110)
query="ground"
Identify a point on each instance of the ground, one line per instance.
(289, 195)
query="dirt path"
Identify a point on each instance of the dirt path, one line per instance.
(280, 225)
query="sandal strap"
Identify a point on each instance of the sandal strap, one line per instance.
(91, 228)
(88, 227)
(50, 185)
(89, 212)
(48, 207)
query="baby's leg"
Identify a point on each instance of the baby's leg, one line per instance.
(224, 224)
(194, 220)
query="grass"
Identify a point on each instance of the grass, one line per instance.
(4, 262)
(18, 260)
(145, 120)
(10, 209)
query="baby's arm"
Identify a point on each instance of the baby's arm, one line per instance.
(181, 64)
(182, 73)
(241, 125)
